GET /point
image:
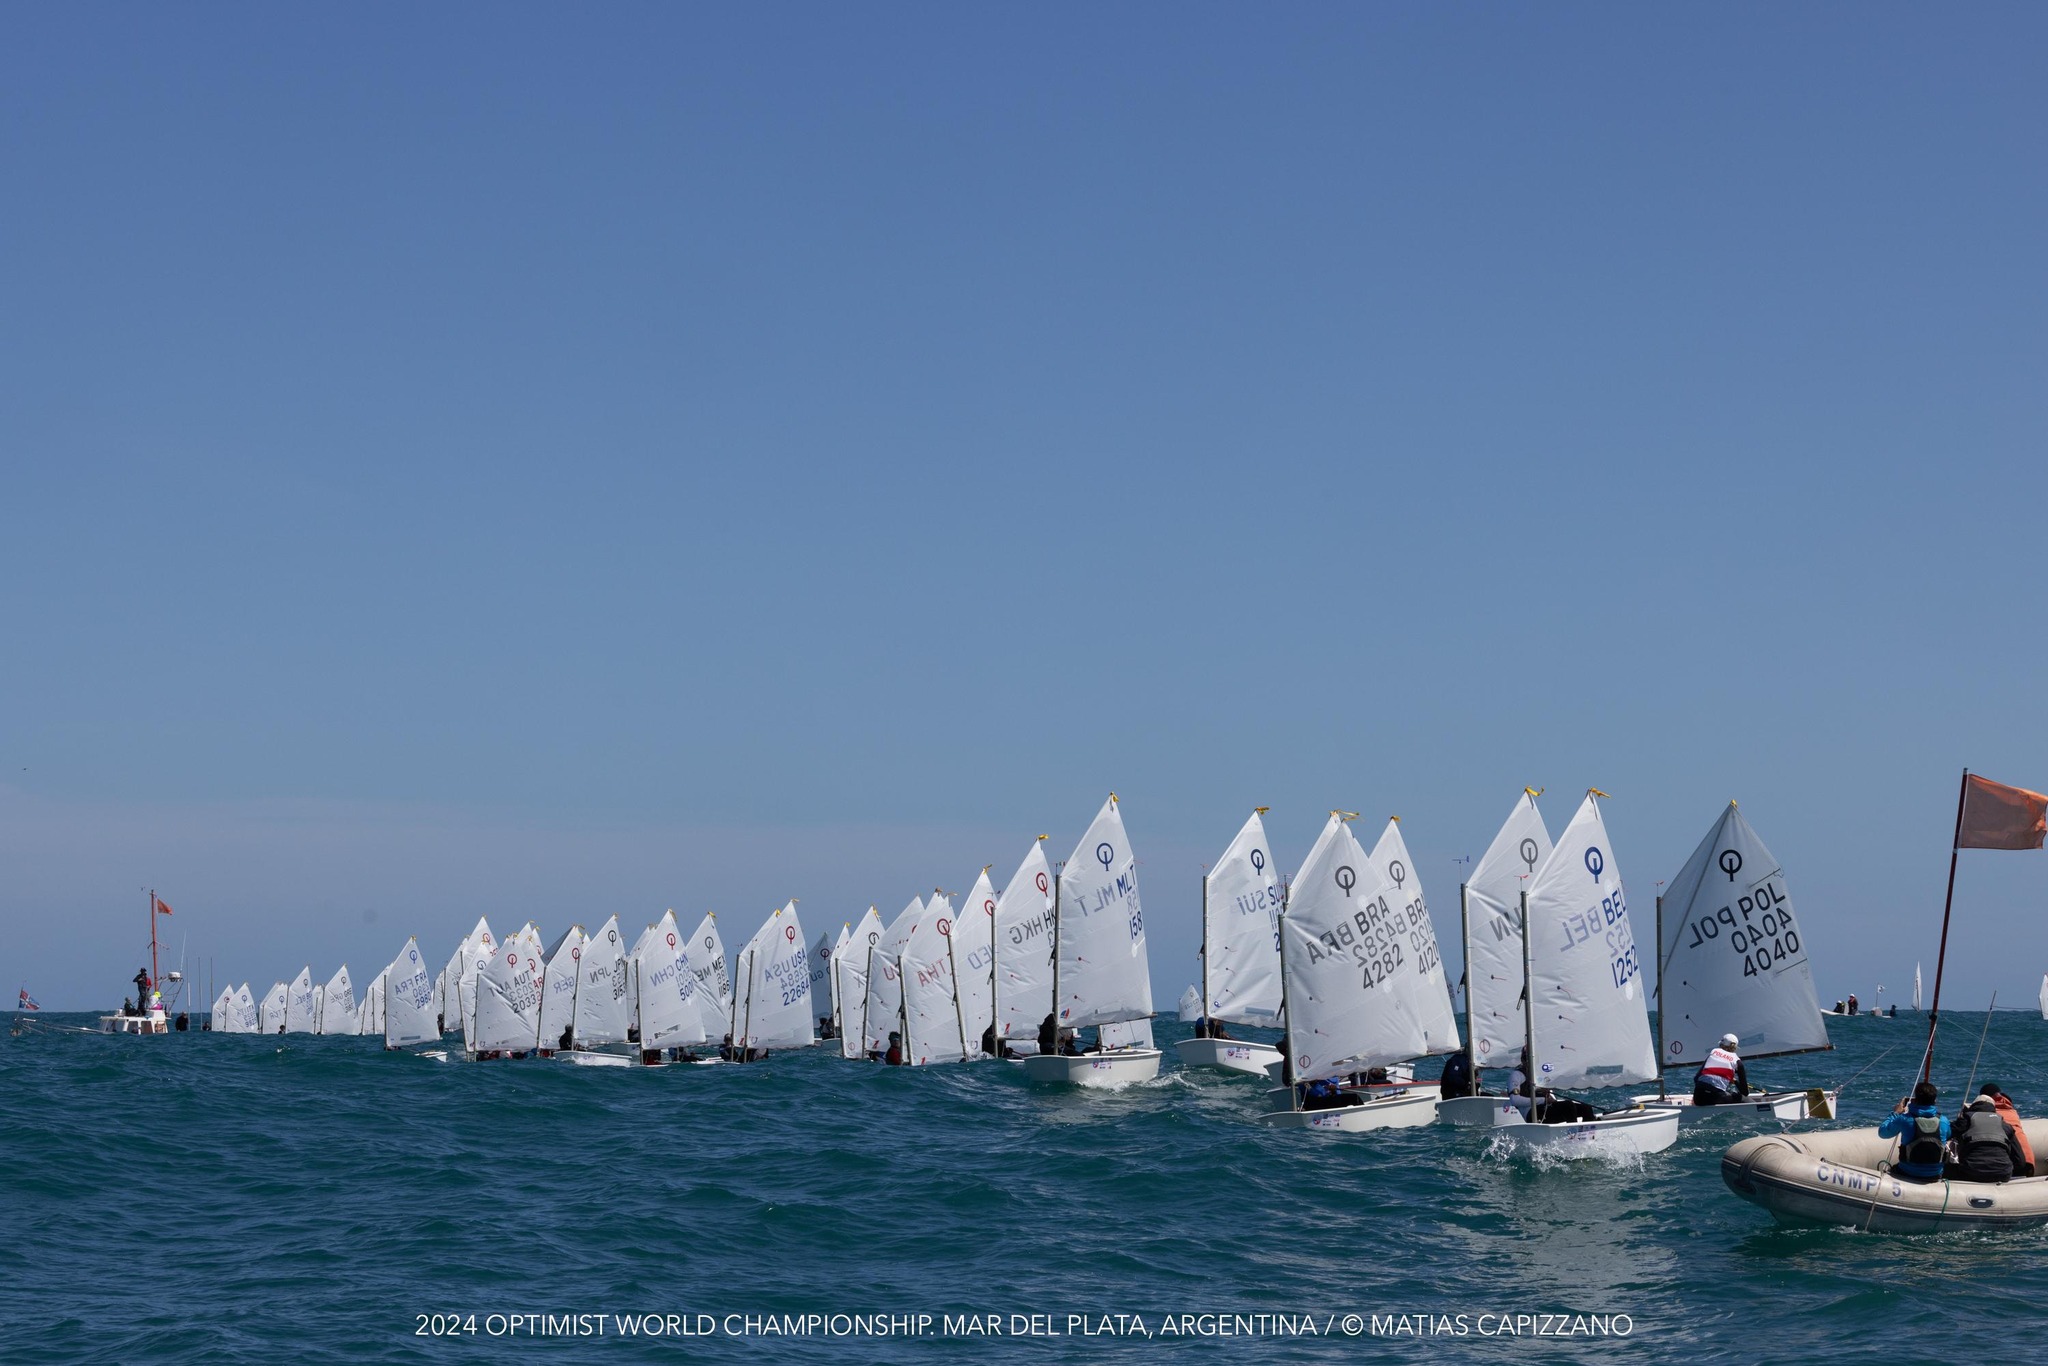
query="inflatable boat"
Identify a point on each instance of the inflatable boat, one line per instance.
(1843, 1176)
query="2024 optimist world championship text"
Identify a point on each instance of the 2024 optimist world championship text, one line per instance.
(1502, 1324)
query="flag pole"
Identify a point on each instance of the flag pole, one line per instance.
(1941, 955)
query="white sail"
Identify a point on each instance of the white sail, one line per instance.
(270, 1018)
(774, 1007)
(508, 998)
(832, 976)
(469, 959)
(334, 1011)
(932, 1029)
(1427, 993)
(299, 1003)
(1103, 973)
(850, 981)
(707, 960)
(1128, 1034)
(1493, 919)
(884, 1008)
(1241, 933)
(242, 1015)
(819, 965)
(370, 1019)
(1345, 955)
(409, 1014)
(603, 1004)
(558, 985)
(2044, 995)
(1916, 986)
(973, 954)
(1732, 960)
(1591, 1014)
(1023, 974)
(670, 994)
(1191, 1004)
(217, 1014)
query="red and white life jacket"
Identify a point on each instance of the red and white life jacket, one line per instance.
(1721, 1064)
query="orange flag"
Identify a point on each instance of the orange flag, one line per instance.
(165, 906)
(1999, 817)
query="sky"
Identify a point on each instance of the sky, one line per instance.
(547, 463)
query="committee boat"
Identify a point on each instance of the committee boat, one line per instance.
(1241, 898)
(1101, 975)
(1840, 1177)
(1730, 960)
(146, 1014)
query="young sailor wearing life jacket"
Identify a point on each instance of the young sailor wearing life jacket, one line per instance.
(1722, 1078)
(1986, 1147)
(1922, 1132)
(2011, 1115)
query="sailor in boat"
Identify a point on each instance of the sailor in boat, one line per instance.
(1922, 1131)
(894, 1057)
(1838, 1008)
(825, 1029)
(1206, 1028)
(1852, 1003)
(994, 1047)
(127, 1006)
(1985, 1145)
(1325, 1094)
(2011, 1115)
(1457, 1079)
(1722, 1078)
(1048, 1035)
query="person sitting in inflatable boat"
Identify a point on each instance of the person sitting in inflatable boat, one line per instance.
(1922, 1131)
(1986, 1148)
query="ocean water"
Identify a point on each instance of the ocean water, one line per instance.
(220, 1198)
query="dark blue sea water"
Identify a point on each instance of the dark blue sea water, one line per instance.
(218, 1198)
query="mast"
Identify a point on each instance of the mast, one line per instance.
(1528, 1010)
(1662, 1094)
(1465, 947)
(744, 1046)
(1205, 954)
(1941, 956)
(1287, 1035)
(1056, 959)
(154, 976)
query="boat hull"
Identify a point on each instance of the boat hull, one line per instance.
(1784, 1107)
(1840, 1177)
(1630, 1131)
(153, 1023)
(1228, 1055)
(1470, 1112)
(1118, 1067)
(1409, 1110)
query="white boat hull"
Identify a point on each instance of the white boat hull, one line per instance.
(1833, 1177)
(583, 1059)
(1469, 1112)
(154, 1022)
(1400, 1110)
(1118, 1067)
(1785, 1107)
(1630, 1131)
(1228, 1055)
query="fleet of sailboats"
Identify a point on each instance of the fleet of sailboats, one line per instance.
(1342, 957)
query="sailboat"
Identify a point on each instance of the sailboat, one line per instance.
(772, 989)
(882, 1011)
(970, 953)
(270, 1016)
(299, 1003)
(707, 961)
(507, 1019)
(2044, 995)
(242, 1015)
(1363, 986)
(1101, 975)
(1730, 960)
(820, 965)
(459, 1004)
(832, 977)
(1587, 1014)
(601, 1011)
(1916, 988)
(934, 1028)
(1241, 900)
(1490, 924)
(850, 984)
(558, 976)
(1020, 978)
(409, 1014)
(670, 994)
(217, 1013)
(334, 1008)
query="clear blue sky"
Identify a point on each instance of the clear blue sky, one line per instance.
(554, 462)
